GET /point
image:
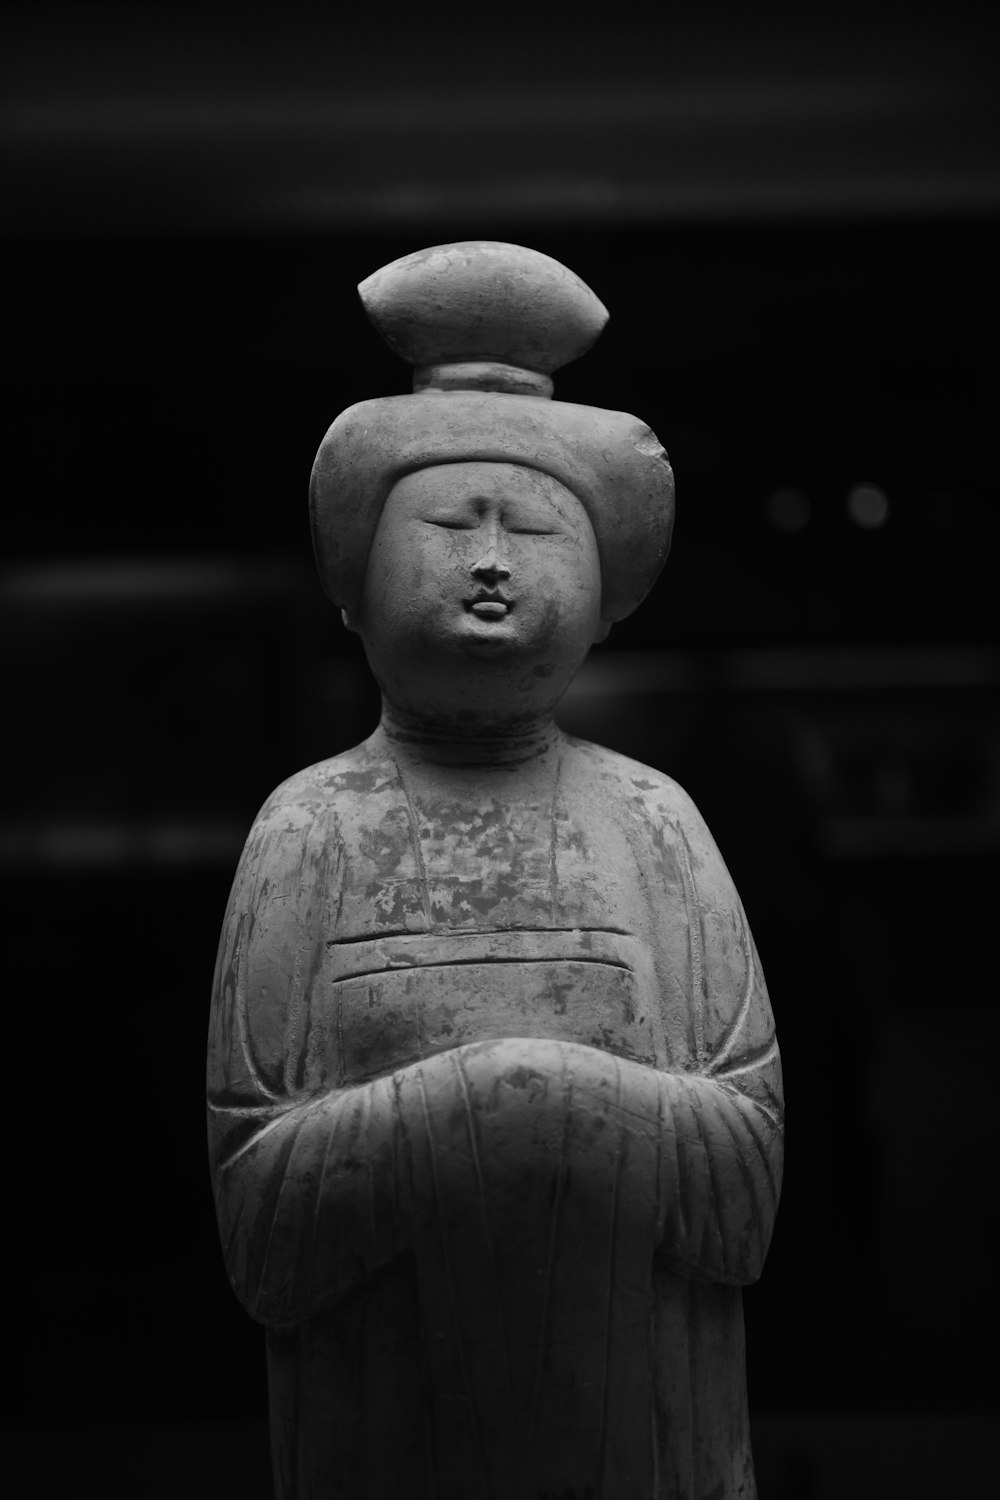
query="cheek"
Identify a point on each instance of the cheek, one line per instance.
(566, 599)
(573, 583)
(393, 574)
(413, 584)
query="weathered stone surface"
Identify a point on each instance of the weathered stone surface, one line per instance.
(483, 300)
(494, 1095)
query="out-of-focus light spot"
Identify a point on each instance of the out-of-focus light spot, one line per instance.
(868, 506)
(788, 510)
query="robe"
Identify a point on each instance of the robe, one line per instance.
(495, 1126)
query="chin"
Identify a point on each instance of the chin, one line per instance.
(499, 638)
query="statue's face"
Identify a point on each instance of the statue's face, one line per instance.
(487, 563)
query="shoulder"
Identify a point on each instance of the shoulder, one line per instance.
(312, 816)
(654, 791)
(658, 812)
(329, 787)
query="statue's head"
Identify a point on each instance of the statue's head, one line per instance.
(477, 530)
(483, 586)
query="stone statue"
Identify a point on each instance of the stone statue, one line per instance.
(494, 1094)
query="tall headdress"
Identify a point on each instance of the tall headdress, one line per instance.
(486, 324)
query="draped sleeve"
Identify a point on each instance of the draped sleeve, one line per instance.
(303, 1180)
(722, 1130)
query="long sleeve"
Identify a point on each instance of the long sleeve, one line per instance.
(303, 1182)
(722, 1144)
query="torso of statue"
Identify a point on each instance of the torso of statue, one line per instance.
(496, 915)
(494, 1095)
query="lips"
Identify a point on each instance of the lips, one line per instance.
(489, 605)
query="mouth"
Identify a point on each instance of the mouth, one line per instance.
(489, 605)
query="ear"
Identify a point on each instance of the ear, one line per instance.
(603, 631)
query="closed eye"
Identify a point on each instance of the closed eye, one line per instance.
(446, 524)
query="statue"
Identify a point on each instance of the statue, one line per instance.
(494, 1094)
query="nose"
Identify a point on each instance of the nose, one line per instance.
(492, 565)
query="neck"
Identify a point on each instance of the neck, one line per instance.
(500, 745)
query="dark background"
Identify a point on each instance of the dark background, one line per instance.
(795, 221)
